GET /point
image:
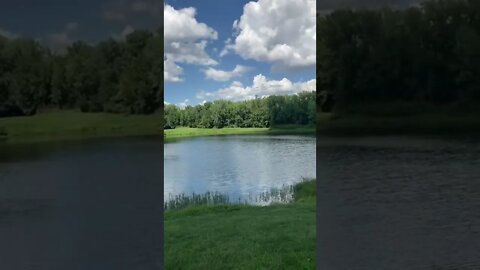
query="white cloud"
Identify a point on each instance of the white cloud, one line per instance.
(172, 72)
(181, 25)
(119, 10)
(183, 104)
(185, 39)
(221, 75)
(189, 52)
(71, 26)
(128, 29)
(59, 41)
(7, 34)
(280, 32)
(260, 87)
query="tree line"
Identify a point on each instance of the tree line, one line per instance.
(427, 54)
(119, 76)
(299, 109)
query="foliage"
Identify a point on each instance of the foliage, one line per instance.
(424, 54)
(273, 110)
(120, 76)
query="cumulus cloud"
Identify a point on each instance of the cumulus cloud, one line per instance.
(280, 32)
(7, 34)
(221, 75)
(183, 104)
(189, 52)
(260, 87)
(120, 10)
(128, 29)
(171, 71)
(71, 26)
(181, 25)
(185, 40)
(59, 41)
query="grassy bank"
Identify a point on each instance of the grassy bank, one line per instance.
(244, 237)
(421, 123)
(183, 132)
(66, 125)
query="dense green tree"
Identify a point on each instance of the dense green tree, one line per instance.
(297, 109)
(424, 54)
(112, 76)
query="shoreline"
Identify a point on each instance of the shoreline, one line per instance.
(194, 229)
(186, 132)
(414, 124)
(74, 125)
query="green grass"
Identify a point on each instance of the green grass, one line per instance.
(280, 236)
(183, 132)
(421, 123)
(66, 125)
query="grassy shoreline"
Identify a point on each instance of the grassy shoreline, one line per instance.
(414, 124)
(73, 125)
(281, 236)
(185, 132)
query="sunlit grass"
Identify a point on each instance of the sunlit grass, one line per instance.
(240, 236)
(182, 132)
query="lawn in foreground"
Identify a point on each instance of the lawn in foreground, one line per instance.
(64, 125)
(244, 237)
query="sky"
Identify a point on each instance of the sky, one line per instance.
(57, 23)
(237, 50)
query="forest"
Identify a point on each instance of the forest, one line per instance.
(118, 76)
(428, 54)
(299, 109)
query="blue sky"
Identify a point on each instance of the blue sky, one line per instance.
(58, 23)
(207, 58)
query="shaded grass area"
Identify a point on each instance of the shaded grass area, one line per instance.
(65, 125)
(279, 236)
(408, 124)
(184, 132)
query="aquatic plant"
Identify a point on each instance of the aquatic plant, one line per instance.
(282, 195)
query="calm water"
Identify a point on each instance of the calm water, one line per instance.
(384, 202)
(238, 166)
(399, 203)
(84, 205)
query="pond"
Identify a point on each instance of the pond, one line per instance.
(399, 203)
(241, 167)
(81, 205)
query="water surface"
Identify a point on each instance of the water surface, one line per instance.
(399, 203)
(81, 205)
(239, 166)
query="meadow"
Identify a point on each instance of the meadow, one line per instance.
(68, 125)
(238, 236)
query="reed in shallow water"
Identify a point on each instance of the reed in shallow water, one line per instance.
(282, 195)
